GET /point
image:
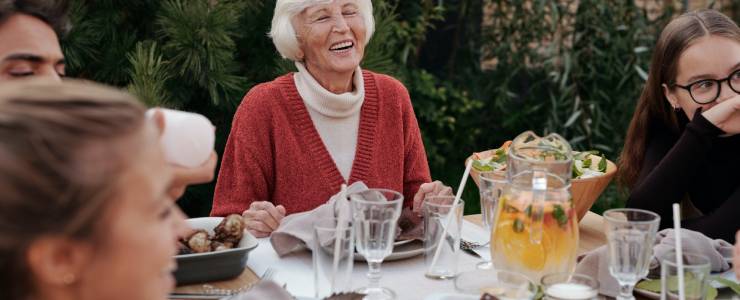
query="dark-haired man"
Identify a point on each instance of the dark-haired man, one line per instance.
(29, 46)
(29, 38)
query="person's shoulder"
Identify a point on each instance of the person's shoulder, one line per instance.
(268, 91)
(262, 100)
(386, 82)
(390, 90)
(266, 95)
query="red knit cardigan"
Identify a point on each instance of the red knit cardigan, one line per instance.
(274, 152)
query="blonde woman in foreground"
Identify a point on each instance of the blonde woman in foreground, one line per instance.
(85, 211)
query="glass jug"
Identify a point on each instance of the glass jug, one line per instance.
(536, 227)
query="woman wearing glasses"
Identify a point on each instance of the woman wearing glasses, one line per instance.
(682, 143)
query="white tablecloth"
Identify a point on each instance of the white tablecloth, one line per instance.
(405, 277)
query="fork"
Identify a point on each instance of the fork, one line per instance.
(470, 245)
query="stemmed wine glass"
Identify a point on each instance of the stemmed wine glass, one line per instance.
(492, 185)
(375, 213)
(630, 235)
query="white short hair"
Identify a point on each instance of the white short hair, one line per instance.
(284, 36)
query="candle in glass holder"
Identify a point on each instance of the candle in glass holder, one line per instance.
(570, 291)
(564, 286)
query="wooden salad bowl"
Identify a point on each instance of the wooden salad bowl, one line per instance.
(584, 191)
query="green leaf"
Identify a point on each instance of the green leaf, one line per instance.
(649, 285)
(518, 225)
(559, 214)
(482, 167)
(729, 283)
(712, 293)
(576, 172)
(500, 156)
(691, 285)
(602, 164)
(586, 163)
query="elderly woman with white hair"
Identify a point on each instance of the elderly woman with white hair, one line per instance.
(295, 140)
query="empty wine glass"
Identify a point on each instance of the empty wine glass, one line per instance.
(492, 185)
(375, 213)
(630, 235)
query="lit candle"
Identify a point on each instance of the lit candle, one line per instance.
(571, 291)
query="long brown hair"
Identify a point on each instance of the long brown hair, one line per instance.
(63, 148)
(652, 107)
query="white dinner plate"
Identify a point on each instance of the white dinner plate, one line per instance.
(451, 296)
(405, 249)
(402, 242)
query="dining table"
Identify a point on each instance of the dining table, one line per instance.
(591, 236)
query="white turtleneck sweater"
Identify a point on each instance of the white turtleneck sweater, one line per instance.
(335, 116)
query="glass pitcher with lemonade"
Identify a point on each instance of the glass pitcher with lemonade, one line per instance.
(536, 226)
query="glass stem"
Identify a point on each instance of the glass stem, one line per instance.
(625, 291)
(373, 275)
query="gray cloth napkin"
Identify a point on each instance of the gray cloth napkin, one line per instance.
(264, 290)
(296, 231)
(718, 251)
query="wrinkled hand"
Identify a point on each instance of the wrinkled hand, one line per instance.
(736, 258)
(262, 218)
(436, 188)
(188, 176)
(725, 115)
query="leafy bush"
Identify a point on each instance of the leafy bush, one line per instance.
(573, 68)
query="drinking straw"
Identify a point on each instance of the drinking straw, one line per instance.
(339, 234)
(679, 251)
(452, 212)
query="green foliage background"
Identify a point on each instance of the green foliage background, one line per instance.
(577, 72)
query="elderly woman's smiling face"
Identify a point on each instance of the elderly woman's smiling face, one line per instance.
(331, 37)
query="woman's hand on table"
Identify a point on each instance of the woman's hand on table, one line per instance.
(430, 189)
(725, 115)
(188, 176)
(262, 218)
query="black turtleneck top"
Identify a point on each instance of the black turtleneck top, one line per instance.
(699, 164)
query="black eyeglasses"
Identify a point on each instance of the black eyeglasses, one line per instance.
(706, 91)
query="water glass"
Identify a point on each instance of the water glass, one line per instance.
(566, 286)
(375, 213)
(630, 235)
(437, 217)
(504, 285)
(696, 268)
(492, 185)
(333, 256)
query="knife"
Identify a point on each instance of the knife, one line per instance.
(471, 252)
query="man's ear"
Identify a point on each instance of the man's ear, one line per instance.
(56, 261)
(670, 96)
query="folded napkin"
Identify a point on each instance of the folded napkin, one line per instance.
(264, 290)
(296, 231)
(595, 263)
